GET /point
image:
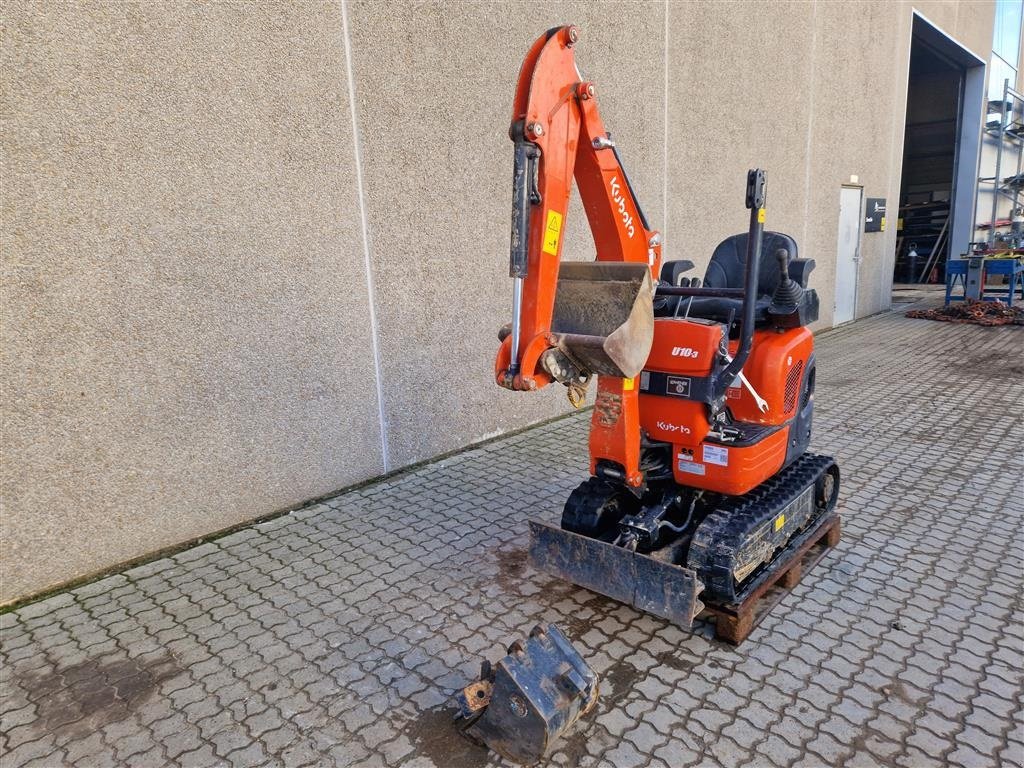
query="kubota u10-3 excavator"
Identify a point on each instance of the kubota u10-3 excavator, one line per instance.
(700, 481)
(701, 487)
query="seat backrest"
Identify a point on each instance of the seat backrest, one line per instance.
(730, 258)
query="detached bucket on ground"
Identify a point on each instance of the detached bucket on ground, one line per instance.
(522, 705)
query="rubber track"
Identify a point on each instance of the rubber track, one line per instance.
(724, 531)
(590, 495)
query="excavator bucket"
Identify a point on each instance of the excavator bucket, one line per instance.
(652, 583)
(604, 315)
(532, 696)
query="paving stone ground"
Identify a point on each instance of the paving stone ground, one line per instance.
(337, 634)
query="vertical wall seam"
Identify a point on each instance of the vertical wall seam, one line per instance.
(365, 230)
(810, 123)
(664, 154)
(897, 140)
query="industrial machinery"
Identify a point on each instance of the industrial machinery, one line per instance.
(700, 481)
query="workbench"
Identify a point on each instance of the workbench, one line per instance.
(971, 272)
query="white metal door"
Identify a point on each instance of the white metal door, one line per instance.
(847, 254)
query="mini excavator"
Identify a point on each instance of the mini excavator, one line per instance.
(700, 482)
(701, 487)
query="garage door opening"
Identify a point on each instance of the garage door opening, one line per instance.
(940, 155)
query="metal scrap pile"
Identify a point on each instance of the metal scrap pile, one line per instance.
(971, 311)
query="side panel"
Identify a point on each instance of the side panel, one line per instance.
(730, 469)
(673, 420)
(774, 369)
(800, 431)
(685, 351)
(686, 347)
(777, 370)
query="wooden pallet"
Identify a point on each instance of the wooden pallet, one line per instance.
(734, 622)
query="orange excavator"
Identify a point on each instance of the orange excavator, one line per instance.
(701, 489)
(700, 482)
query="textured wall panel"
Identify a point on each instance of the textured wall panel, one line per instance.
(185, 336)
(434, 97)
(737, 99)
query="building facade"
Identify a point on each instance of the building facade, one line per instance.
(253, 254)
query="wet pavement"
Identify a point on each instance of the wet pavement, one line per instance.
(337, 634)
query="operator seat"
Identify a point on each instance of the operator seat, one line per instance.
(726, 271)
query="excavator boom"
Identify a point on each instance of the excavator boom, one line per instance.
(570, 321)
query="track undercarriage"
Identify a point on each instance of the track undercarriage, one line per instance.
(664, 550)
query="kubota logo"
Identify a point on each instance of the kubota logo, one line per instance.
(669, 427)
(621, 202)
(684, 352)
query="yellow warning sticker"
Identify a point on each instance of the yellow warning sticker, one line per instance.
(628, 384)
(780, 521)
(552, 232)
(883, 223)
(760, 215)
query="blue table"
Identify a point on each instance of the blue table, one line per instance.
(970, 274)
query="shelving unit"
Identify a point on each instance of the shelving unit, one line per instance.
(1000, 254)
(1007, 127)
(925, 232)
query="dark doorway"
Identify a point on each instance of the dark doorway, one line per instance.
(930, 143)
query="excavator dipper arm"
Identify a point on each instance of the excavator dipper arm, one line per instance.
(597, 317)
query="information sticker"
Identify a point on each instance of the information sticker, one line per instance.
(552, 232)
(716, 454)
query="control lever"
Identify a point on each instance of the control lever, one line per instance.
(788, 292)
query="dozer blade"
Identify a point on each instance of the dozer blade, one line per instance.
(604, 315)
(533, 695)
(642, 581)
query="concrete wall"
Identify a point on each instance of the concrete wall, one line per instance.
(186, 334)
(252, 254)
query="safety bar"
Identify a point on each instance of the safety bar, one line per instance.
(713, 293)
(755, 202)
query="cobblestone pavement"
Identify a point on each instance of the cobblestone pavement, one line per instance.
(336, 635)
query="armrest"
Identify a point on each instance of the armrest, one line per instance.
(671, 271)
(800, 270)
